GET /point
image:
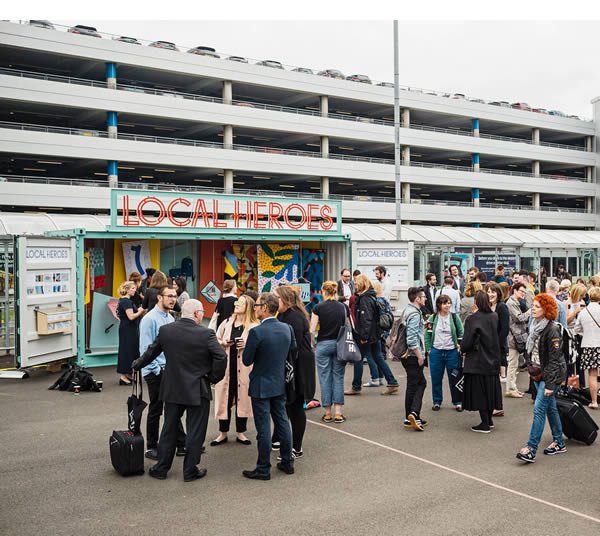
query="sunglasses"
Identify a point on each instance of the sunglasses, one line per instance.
(239, 302)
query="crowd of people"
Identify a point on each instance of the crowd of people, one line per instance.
(479, 333)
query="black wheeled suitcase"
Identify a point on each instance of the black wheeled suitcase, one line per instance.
(127, 446)
(127, 452)
(576, 421)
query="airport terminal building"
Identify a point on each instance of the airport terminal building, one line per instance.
(82, 116)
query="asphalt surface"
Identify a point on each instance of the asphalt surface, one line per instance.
(366, 476)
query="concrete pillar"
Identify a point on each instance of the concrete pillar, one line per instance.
(475, 123)
(111, 124)
(589, 205)
(535, 201)
(227, 137)
(475, 196)
(113, 175)
(111, 75)
(227, 91)
(405, 155)
(405, 119)
(228, 181)
(589, 143)
(589, 173)
(325, 146)
(535, 136)
(324, 105)
(535, 168)
(475, 161)
(405, 193)
(325, 187)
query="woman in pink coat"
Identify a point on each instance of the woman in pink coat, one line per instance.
(233, 388)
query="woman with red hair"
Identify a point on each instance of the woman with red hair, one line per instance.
(548, 369)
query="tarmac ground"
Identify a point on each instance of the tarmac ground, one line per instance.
(366, 476)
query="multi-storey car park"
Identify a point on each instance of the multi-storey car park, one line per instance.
(80, 115)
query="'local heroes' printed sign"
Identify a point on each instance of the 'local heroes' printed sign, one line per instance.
(190, 211)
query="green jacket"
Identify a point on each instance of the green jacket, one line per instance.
(456, 329)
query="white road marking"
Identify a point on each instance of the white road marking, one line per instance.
(456, 472)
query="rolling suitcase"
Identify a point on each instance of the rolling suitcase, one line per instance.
(576, 421)
(127, 446)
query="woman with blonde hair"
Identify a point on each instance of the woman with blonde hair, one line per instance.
(588, 325)
(468, 301)
(233, 388)
(138, 297)
(129, 331)
(293, 312)
(369, 334)
(327, 319)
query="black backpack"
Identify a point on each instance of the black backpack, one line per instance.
(386, 317)
(75, 375)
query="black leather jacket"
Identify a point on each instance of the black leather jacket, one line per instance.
(552, 359)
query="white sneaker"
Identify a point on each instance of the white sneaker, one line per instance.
(373, 383)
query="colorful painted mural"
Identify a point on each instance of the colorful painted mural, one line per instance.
(313, 263)
(277, 265)
(231, 264)
(247, 269)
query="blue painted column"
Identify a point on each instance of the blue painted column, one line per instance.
(475, 201)
(111, 124)
(113, 177)
(475, 161)
(111, 75)
(475, 124)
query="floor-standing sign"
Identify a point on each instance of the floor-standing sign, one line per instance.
(46, 304)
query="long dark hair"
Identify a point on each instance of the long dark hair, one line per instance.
(482, 302)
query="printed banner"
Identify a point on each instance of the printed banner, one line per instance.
(136, 257)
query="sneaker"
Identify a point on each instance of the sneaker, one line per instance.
(481, 429)
(554, 448)
(152, 454)
(372, 383)
(391, 390)
(276, 445)
(352, 392)
(407, 424)
(527, 457)
(459, 408)
(415, 422)
(295, 454)
(436, 407)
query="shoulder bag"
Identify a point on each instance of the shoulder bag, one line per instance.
(347, 349)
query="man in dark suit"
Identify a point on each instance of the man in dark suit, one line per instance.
(430, 289)
(194, 360)
(345, 287)
(458, 281)
(266, 350)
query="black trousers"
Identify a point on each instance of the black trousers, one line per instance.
(240, 422)
(297, 417)
(415, 385)
(196, 423)
(155, 410)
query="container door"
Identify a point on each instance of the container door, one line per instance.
(7, 296)
(46, 301)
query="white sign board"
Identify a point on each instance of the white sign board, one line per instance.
(136, 257)
(47, 282)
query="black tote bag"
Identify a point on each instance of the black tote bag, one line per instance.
(136, 405)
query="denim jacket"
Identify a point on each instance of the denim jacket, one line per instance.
(415, 328)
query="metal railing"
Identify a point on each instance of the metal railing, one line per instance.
(273, 107)
(271, 193)
(268, 150)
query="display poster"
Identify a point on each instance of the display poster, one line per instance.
(487, 262)
(48, 282)
(136, 257)
(304, 289)
(211, 292)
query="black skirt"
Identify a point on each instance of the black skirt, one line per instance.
(482, 392)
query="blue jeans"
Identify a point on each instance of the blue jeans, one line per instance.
(545, 406)
(331, 373)
(264, 409)
(440, 361)
(372, 351)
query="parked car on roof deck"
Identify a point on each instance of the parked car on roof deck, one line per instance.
(239, 59)
(480, 101)
(46, 24)
(362, 78)
(521, 106)
(558, 113)
(167, 45)
(270, 63)
(130, 40)
(574, 117)
(457, 96)
(204, 51)
(385, 84)
(84, 30)
(303, 70)
(332, 73)
(540, 110)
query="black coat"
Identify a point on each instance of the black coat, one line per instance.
(503, 327)
(194, 360)
(367, 317)
(480, 344)
(428, 308)
(305, 365)
(552, 358)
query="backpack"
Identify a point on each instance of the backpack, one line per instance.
(187, 267)
(386, 317)
(396, 343)
(75, 375)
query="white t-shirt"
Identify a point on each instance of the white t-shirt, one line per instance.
(386, 283)
(347, 290)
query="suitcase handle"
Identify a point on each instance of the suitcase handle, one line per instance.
(138, 385)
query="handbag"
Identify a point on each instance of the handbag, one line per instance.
(290, 371)
(534, 370)
(213, 322)
(136, 404)
(347, 349)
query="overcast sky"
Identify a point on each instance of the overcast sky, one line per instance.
(546, 64)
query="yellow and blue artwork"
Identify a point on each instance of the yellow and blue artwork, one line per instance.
(313, 261)
(231, 265)
(278, 264)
